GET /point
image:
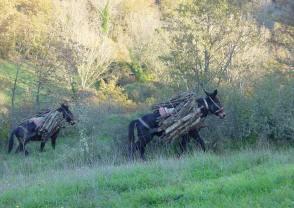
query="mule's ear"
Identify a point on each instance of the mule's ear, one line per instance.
(214, 93)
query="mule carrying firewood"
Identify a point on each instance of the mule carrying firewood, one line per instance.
(182, 117)
(40, 128)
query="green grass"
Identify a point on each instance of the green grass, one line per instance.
(7, 77)
(26, 87)
(263, 178)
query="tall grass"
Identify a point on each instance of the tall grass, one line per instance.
(248, 178)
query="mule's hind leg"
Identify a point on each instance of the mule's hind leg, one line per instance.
(142, 153)
(21, 148)
(17, 149)
(138, 146)
(132, 149)
(22, 141)
(144, 138)
(20, 145)
(24, 147)
(142, 144)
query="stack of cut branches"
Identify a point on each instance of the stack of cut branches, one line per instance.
(53, 120)
(184, 117)
(175, 101)
(42, 113)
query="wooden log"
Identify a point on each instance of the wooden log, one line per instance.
(53, 120)
(183, 110)
(182, 130)
(174, 121)
(179, 122)
(174, 101)
(183, 125)
(186, 115)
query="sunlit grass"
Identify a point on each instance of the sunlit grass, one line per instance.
(241, 179)
(8, 73)
(26, 84)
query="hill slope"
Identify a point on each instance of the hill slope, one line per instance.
(245, 179)
(7, 77)
(26, 85)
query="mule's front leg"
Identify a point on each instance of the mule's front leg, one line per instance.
(53, 143)
(183, 144)
(200, 141)
(53, 139)
(43, 142)
(42, 146)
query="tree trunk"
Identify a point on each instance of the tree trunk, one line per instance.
(38, 96)
(206, 64)
(13, 96)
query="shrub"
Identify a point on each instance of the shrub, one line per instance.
(265, 114)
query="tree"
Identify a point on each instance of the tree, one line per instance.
(43, 59)
(136, 30)
(205, 38)
(91, 51)
(22, 21)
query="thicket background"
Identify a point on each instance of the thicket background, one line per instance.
(115, 58)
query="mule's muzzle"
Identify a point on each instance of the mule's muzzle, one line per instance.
(221, 113)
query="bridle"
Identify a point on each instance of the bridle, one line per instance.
(67, 114)
(219, 108)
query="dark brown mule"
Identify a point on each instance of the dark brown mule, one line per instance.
(148, 123)
(28, 131)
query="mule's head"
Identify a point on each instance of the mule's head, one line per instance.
(67, 114)
(214, 105)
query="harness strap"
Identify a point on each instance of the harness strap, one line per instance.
(205, 103)
(219, 107)
(144, 123)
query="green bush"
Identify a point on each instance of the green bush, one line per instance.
(273, 104)
(263, 115)
(140, 72)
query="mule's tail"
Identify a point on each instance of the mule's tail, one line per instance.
(132, 138)
(11, 141)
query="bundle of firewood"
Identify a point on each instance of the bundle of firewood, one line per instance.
(42, 113)
(175, 101)
(53, 120)
(185, 116)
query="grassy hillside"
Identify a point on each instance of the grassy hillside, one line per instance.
(244, 179)
(26, 85)
(7, 77)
